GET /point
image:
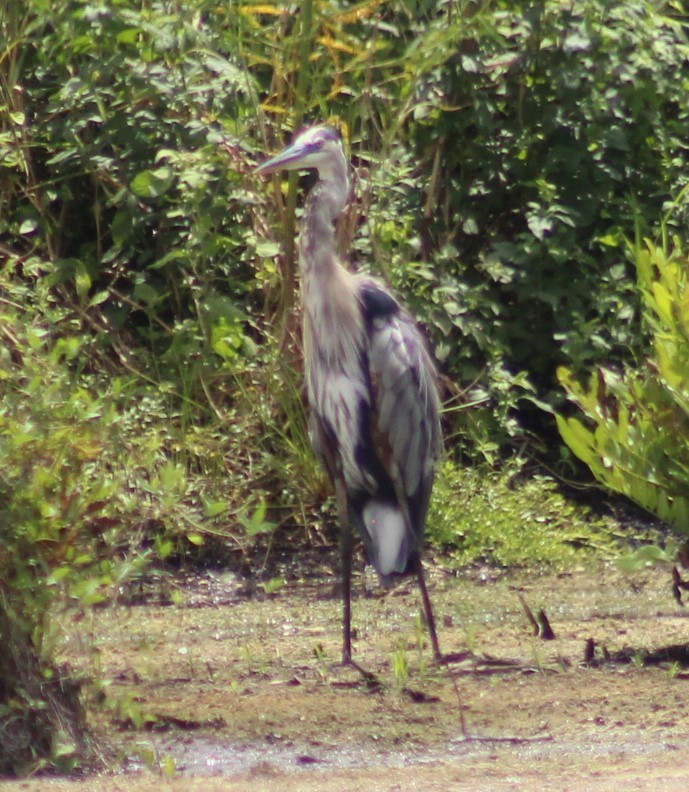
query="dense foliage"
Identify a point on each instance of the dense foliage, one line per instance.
(634, 437)
(149, 376)
(505, 152)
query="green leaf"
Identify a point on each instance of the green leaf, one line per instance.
(579, 439)
(663, 304)
(163, 547)
(172, 255)
(28, 226)
(67, 348)
(82, 279)
(273, 585)
(645, 556)
(129, 36)
(147, 294)
(257, 524)
(172, 477)
(121, 226)
(152, 183)
(214, 508)
(99, 298)
(267, 249)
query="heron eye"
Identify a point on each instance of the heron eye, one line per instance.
(319, 143)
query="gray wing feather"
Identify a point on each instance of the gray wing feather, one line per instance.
(407, 402)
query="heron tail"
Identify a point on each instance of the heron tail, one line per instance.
(390, 538)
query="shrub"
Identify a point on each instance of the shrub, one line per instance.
(634, 434)
(545, 133)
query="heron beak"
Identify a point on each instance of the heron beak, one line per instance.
(289, 159)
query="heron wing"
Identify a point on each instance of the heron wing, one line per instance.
(375, 424)
(406, 407)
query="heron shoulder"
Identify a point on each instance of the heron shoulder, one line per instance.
(375, 301)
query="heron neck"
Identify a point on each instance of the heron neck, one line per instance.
(324, 205)
(331, 311)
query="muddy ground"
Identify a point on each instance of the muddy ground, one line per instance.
(230, 691)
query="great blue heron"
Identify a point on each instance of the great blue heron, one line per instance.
(371, 386)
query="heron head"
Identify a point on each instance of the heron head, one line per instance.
(317, 147)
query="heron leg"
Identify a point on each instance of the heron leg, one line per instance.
(346, 562)
(371, 680)
(346, 555)
(428, 611)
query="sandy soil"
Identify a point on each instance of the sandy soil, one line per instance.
(231, 692)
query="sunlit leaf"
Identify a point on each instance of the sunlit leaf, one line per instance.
(273, 585)
(28, 226)
(214, 508)
(152, 183)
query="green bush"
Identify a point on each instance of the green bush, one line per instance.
(51, 505)
(635, 428)
(546, 132)
(116, 174)
(99, 480)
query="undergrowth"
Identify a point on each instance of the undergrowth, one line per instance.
(631, 426)
(508, 518)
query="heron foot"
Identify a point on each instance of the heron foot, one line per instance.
(452, 657)
(371, 681)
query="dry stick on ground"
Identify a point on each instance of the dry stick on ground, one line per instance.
(541, 625)
(678, 585)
